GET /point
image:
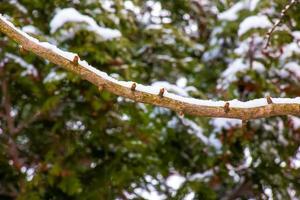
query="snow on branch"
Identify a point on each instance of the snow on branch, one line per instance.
(258, 108)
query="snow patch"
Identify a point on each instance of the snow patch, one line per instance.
(224, 123)
(291, 68)
(175, 181)
(54, 76)
(229, 75)
(72, 15)
(295, 122)
(232, 13)
(29, 68)
(253, 22)
(198, 131)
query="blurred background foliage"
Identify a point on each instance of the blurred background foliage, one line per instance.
(61, 138)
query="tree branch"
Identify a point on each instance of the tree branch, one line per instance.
(26, 123)
(258, 108)
(282, 14)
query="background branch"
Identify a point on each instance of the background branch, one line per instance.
(282, 14)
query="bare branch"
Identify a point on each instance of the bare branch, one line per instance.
(282, 14)
(26, 123)
(242, 190)
(258, 108)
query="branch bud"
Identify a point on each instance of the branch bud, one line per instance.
(161, 92)
(101, 87)
(75, 60)
(226, 107)
(269, 100)
(22, 50)
(133, 87)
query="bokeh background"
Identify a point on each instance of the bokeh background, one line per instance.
(61, 138)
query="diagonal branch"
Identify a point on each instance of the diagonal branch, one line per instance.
(26, 123)
(258, 108)
(282, 14)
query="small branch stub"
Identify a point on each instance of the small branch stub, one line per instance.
(269, 100)
(226, 107)
(22, 50)
(75, 60)
(133, 87)
(101, 88)
(161, 92)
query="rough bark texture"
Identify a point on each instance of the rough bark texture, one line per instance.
(138, 96)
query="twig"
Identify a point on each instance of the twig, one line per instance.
(282, 14)
(244, 189)
(26, 123)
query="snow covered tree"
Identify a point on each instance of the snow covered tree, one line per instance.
(64, 138)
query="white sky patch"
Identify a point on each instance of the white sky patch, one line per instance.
(254, 22)
(72, 15)
(29, 68)
(149, 89)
